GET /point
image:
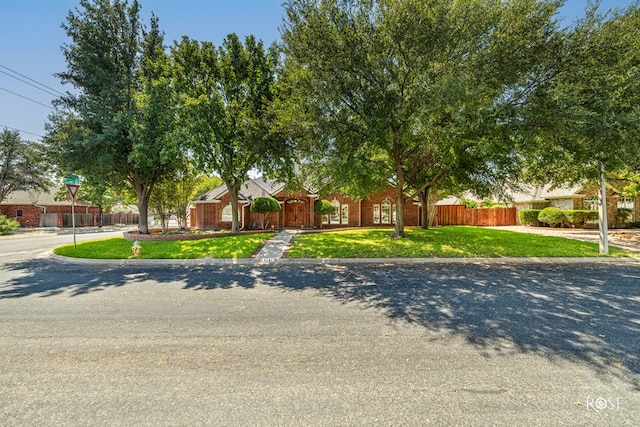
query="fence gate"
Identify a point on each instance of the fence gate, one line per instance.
(48, 220)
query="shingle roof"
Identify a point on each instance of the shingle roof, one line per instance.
(252, 188)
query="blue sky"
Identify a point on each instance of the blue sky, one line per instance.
(30, 40)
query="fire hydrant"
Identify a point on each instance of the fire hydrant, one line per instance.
(136, 248)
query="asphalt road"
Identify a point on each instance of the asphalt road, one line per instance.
(372, 344)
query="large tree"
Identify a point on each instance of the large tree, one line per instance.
(586, 118)
(227, 95)
(402, 90)
(116, 125)
(22, 165)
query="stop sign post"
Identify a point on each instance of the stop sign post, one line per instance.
(73, 185)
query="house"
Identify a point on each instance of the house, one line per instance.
(581, 197)
(213, 209)
(40, 209)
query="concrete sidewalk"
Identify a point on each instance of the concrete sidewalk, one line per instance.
(277, 246)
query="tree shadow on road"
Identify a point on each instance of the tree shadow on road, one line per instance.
(500, 309)
(506, 308)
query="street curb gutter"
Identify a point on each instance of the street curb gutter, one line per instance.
(342, 261)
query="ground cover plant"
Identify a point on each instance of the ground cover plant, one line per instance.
(243, 246)
(442, 242)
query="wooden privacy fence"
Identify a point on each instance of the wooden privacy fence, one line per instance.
(82, 220)
(120, 218)
(461, 215)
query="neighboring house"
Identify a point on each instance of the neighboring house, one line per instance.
(40, 209)
(579, 197)
(213, 209)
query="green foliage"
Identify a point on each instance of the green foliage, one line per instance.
(577, 218)
(529, 217)
(7, 225)
(623, 215)
(227, 95)
(117, 125)
(22, 165)
(470, 204)
(264, 206)
(323, 207)
(411, 91)
(552, 216)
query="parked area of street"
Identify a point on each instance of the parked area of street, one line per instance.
(285, 344)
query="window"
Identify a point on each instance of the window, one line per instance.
(19, 213)
(590, 203)
(386, 212)
(226, 214)
(335, 215)
(345, 214)
(628, 204)
(376, 214)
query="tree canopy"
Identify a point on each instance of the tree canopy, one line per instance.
(22, 165)
(409, 91)
(227, 93)
(117, 124)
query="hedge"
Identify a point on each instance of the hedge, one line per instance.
(7, 225)
(529, 217)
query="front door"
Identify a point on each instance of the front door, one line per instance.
(295, 213)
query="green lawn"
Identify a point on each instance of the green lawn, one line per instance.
(442, 242)
(220, 247)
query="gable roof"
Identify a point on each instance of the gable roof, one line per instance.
(43, 198)
(249, 190)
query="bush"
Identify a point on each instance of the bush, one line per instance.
(529, 217)
(577, 218)
(264, 206)
(7, 225)
(552, 216)
(323, 207)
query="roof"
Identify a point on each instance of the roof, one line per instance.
(41, 198)
(251, 189)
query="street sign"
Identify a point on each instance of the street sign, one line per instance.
(72, 179)
(73, 189)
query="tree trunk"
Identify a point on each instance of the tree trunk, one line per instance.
(233, 194)
(424, 203)
(143, 210)
(602, 214)
(399, 227)
(143, 194)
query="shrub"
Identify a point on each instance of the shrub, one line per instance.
(529, 217)
(323, 207)
(264, 206)
(552, 216)
(7, 225)
(577, 218)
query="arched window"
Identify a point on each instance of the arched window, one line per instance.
(226, 214)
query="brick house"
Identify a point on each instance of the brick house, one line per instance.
(213, 209)
(40, 209)
(579, 197)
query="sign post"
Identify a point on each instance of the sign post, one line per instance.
(73, 184)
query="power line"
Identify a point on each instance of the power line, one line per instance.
(32, 80)
(20, 130)
(30, 84)
(22, 96)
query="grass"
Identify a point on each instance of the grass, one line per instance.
(443, 242)
(118, 248)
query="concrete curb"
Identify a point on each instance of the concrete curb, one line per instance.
(339, 261)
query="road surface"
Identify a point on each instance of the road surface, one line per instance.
(309, 345)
